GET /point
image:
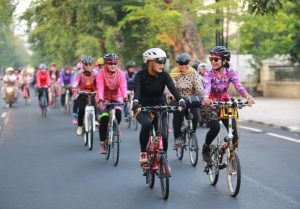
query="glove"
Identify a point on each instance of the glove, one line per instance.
(182, 103)
(135, 105)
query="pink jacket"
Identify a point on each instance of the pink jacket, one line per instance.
(43, 79)
(111, 95)
(85, 83)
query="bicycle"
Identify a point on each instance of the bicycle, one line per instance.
(229, 110)
(89, 120)
(25, 93)
(67, 106)
(157, 157)
(44, 102)
(192, 143)
(131, 118)
(112, 141)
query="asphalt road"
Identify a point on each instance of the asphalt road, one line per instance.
(44, 165)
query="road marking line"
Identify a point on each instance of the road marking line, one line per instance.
(284, 137)
(4, 114)
(251, 129)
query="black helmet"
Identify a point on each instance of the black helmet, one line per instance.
(110, 59)
(221, 51)
(195, 64)
(87, 60)
(183, 58)
(130, 64)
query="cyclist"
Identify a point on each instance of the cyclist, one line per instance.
(188, 83)
(216, 84)
(10, 79)
(111, 87)
(84, 81)
(25, 81)
(130, 71)
(54, 73)
(65, 80)
(43, 81)
(148, 91)
(75, 102)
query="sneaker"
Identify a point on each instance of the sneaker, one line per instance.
(79, 131)
(206, 153)
(144, 160)
(102, 149)
(75, 121)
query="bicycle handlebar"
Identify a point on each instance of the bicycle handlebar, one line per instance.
(87, 93)
(231, 103)
(161, 108)
(113, 103)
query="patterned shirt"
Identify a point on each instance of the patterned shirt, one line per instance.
(217, 87)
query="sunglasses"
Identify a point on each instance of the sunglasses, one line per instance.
(88, 64)
(160, 60)
(214, 59)
(183, 63)
(112, 64)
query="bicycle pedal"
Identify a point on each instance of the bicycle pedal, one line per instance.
(222, 166)
(206, 170)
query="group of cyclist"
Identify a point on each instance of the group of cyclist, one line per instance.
(152, 86)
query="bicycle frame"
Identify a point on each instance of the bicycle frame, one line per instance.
(89, 110)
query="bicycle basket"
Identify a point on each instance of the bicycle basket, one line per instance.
(224, 112)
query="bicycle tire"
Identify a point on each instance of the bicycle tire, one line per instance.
(164, 176)
(85, 138)
(193, 149)
(233, 169)
(135, 124)
(107, 145)
(213, 169)
(90, 132)
(180, 149)
(115, 146)
(129, 121)
(150, 172)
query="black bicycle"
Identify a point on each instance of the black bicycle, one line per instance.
(191, 144)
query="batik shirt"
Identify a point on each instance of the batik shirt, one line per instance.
(217, 88)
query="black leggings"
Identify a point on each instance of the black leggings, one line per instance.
(63, 96)
(104, 122)
(214, 128)
(144, 119)
(41, 93)
(178, 119)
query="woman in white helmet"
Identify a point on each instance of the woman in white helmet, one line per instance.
(148, 91)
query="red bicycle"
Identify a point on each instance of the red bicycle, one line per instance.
(157, 157)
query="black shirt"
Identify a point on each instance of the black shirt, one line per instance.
(148, 89)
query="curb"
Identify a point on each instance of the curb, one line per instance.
(286, 128)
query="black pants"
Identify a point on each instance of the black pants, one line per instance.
(75, 106)
(63, 96)
(178, 119)
(104, 122)
(41, 93)
(214, 128)
(144, 119)
(82, 102)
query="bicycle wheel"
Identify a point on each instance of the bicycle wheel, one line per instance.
(180, 149)
(150, 174)
(129, 120)
(233, 174)
(90, 132)
(193, 149)
(85, 137)
(115, 146)
(164, 176)
(213, 169)
(135, 124)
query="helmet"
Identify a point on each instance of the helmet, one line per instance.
(110, 59)
(87, 60)
(195, 64)
(221, 51)
(79, 65)
(53, 65)
(130, 64)
(202, 65)
(100, 61)
(183, 58)
(9, 69)
(43, 66)
(153, 53)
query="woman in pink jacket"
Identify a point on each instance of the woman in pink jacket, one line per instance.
(111, 87)
(43, 81)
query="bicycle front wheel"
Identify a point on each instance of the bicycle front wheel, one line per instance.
(164, 175)
(90, 132)
(213, 169)
(233, 174)
(193, 149)
(115, 146)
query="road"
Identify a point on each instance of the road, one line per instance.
(44, 165)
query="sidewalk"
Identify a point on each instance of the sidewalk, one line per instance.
(275, 112)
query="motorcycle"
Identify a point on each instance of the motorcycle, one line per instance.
(10, 95)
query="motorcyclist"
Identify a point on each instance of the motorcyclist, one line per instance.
(10, 80)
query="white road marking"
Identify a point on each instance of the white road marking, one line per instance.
(284, 137)
(251, 129)
(4, 114)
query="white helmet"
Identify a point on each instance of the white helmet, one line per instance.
(201, 65)
(9, 69)
(153, 53)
